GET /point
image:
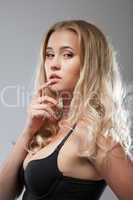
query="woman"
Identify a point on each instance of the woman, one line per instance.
(76, 139)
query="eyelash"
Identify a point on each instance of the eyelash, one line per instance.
(68, 55)
(49, 55)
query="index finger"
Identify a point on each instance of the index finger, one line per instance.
(39, 92)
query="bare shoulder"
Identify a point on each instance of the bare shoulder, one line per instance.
(106, 148)
(115, 167)
(103, 145)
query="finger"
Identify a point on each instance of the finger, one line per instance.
(40, 113)
(43, 107)
(43, 113)
(39, 91)
(47, 99)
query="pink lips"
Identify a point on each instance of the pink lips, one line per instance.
(54, 80)
(53, 76)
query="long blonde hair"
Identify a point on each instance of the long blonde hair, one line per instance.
(98, 94)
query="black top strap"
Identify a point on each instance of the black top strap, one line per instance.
(65, 138)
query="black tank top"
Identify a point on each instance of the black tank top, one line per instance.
(44, 181)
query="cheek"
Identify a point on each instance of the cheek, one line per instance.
(73, 67)
(74, 71)
(72, 74)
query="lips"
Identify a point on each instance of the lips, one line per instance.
(54, 76)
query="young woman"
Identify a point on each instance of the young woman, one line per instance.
(76, 139)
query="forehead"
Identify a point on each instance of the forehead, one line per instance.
(64, 38)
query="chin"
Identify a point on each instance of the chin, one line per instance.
(56, 88)
(60, 89)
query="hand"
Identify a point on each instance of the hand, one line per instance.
(40, 109)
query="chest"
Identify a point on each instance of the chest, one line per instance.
(65, 161)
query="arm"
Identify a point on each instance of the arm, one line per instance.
(38, 111)
(115, 168)
(9, 171)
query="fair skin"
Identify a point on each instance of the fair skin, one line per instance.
(63, 58)
(112, 167)
(67, 66)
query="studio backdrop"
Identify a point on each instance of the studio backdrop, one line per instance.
(22, 25)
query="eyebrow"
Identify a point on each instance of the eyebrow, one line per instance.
(62, 48)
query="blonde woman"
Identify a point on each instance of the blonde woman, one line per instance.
(76, 139)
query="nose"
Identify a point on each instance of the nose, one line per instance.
(55, 63)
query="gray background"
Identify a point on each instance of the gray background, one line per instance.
(22, 24)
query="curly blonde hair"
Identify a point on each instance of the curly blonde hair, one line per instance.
(98, 95)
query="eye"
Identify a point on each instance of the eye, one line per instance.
(49, 55)
(68, 55)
